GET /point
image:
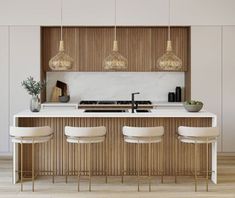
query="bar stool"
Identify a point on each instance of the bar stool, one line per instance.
(85, 135)
(197, 135)
(31, 135)
(143, 135)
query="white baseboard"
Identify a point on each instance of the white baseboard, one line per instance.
(6, 156)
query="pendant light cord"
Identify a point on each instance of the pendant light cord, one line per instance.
(169, 20)
(61, 20)
(115, 20)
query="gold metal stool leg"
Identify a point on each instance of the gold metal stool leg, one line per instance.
(67, 165)
(123, 160)
(53, 160)
(195, 165)
(78, 167)
(105, 163)
(89, 166)
(21, 166)
(162, 161)
(176, 160)
(138, 164)
(33, 165)
(207, 165)
(149, 167)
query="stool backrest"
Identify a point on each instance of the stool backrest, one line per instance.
(143, 131)
(85, 131)
(30, 131)
(198, 131)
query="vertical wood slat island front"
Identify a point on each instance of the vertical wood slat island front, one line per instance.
(114, 143)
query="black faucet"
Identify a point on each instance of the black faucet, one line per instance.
(133, 105)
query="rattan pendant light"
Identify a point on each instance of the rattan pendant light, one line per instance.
(169, 61)
(61, 61)
(115, 61)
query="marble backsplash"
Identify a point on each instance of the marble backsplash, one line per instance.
(116, 85)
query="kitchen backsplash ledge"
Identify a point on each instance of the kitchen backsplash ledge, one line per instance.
(116, 85)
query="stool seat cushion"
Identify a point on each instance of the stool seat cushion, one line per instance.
(143, 140)
(24, 132)
(86, 140)
(85, 131)
(30, 140)
(143, 131)
(197, 140)
(200, 132)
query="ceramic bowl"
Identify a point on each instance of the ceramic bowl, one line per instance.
(193, 108)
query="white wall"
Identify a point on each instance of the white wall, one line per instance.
(129, 12)
(206, 52)
(24, 62)
(19, 58)
(228, 83)
(117, 85)
(4, 89)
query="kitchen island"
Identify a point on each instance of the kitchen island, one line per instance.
(171, 119)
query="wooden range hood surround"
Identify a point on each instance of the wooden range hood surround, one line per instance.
(140, 45)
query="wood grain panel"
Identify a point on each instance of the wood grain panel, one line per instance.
(90, 45)
(114, 144)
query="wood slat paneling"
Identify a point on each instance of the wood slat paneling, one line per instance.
(90, 45)
(114, 144)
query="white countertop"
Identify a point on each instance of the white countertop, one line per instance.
(180, 112)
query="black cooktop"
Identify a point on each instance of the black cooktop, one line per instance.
(118, 102)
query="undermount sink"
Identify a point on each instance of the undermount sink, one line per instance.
(142, 111)
(105, 111)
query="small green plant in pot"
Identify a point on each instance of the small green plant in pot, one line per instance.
(193, 105)
(34, 88)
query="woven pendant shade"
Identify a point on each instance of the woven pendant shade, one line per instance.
(169, 61)
(61, 61)
(115, 61)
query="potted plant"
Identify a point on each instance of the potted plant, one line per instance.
(34, 88)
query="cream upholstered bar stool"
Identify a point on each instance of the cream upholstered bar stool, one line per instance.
(85, 135)
(32, 135)
(197, 135)
(143, 135)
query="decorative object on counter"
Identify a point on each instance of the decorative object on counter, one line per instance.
(193, 106)
(178, 94)
(64, 99)
(61, 61)
(34, 88)
(171, 97)
(55, 94)
(115, 61)
(169, 61)
(63, 94)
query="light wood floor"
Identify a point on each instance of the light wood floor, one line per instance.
(114, 189)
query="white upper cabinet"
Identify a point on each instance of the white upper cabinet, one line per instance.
(206, 69)
(4, 89)
(129, 12)
(142, 12)
(228, 88)
(88, 12)
(29, 12)
(203, 12)
(24, 62)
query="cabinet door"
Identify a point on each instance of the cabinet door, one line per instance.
(4, 90)
(206, 69)
(228, 89)
(24, 62)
